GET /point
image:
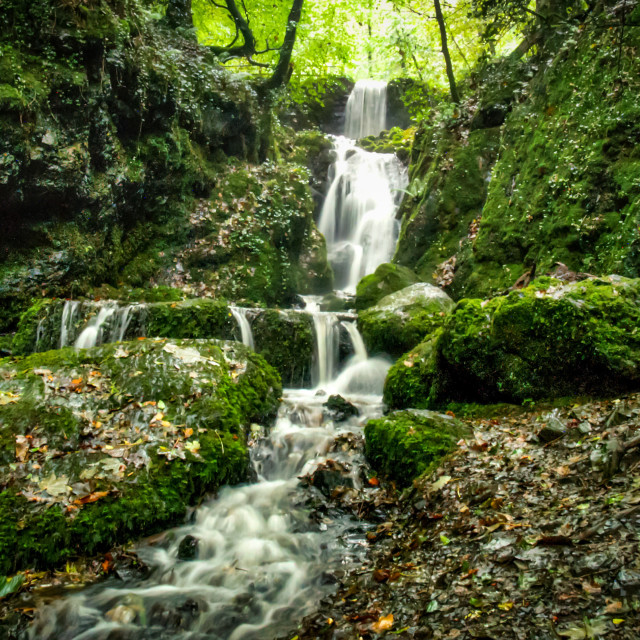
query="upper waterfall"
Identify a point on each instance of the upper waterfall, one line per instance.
(366, 109)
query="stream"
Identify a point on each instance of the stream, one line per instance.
(258, 557)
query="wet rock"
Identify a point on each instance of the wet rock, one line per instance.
(387, 278)
(406, 444)
(399, 321)
(99, 417)
(627, 582)
(188, 548)
(338, 409)
(550, 339)
(330, 476)
(553, 428)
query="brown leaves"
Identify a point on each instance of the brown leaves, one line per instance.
(383, 624)
(22, 448)
(91, 497)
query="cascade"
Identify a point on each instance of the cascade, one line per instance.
(358, 217)
(359, 348)
(261, 562)
(92, 334)
(69, 313)
(240, 316)
(366, 109)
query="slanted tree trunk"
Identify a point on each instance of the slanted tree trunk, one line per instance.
(284, 68)
(445, 52)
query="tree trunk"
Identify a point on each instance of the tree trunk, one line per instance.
(283, 70)
(179, 14)
(445, 52)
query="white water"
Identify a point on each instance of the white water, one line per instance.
(240, 316)
(358, 217)
(261, 562)
(92, 334)
(359, 348)
(69, 313)
(366, 109)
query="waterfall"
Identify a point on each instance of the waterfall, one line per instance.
(326, 327)
(123, 319)
(240, 316)
(366, 109)
(359, 349)
(358, 218)
(92, 334)
(69, 313)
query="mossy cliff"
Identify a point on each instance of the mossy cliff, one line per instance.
(557, 182)
(116, 133)
(283, 337)
(551, 339)
(105, 445)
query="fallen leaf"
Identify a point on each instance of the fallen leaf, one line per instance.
(55, 486)
(22, 448)
(384, 624)
(92, 497)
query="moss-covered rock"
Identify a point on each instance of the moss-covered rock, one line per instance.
(447, 191)
(551, 339)
(386, 279)
(285, 339)
(406, 444)
(403, 319)
(105, 445)
(396, 140)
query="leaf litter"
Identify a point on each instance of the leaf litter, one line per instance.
(517, 535)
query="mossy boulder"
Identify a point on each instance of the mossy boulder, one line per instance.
(386, 279)
(551, 339)
(403, 319)
(105, 445)
(406, 444)
(395, 140)
(286, 341)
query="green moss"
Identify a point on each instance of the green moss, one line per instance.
(548, 340)
(190, 319)
(396, 140)
(411, 381)
(386, 279)
(285, 339)
(407, 444)
(206, 392)
(403, 319)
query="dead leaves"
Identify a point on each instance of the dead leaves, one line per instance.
(384, 623)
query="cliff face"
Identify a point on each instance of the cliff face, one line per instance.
(114, 129)
(542, 168)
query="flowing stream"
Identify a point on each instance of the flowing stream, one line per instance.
(263, 554)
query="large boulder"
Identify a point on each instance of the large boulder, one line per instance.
(550, 339)
(386, 279)
(403, 319)
(407, 444)
(100, 446)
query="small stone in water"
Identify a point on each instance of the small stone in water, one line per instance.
(121, 614)
(188, 548)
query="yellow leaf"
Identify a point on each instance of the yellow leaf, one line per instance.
(506, 606)
(188, 432)
(618, 620)
(384, 624)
